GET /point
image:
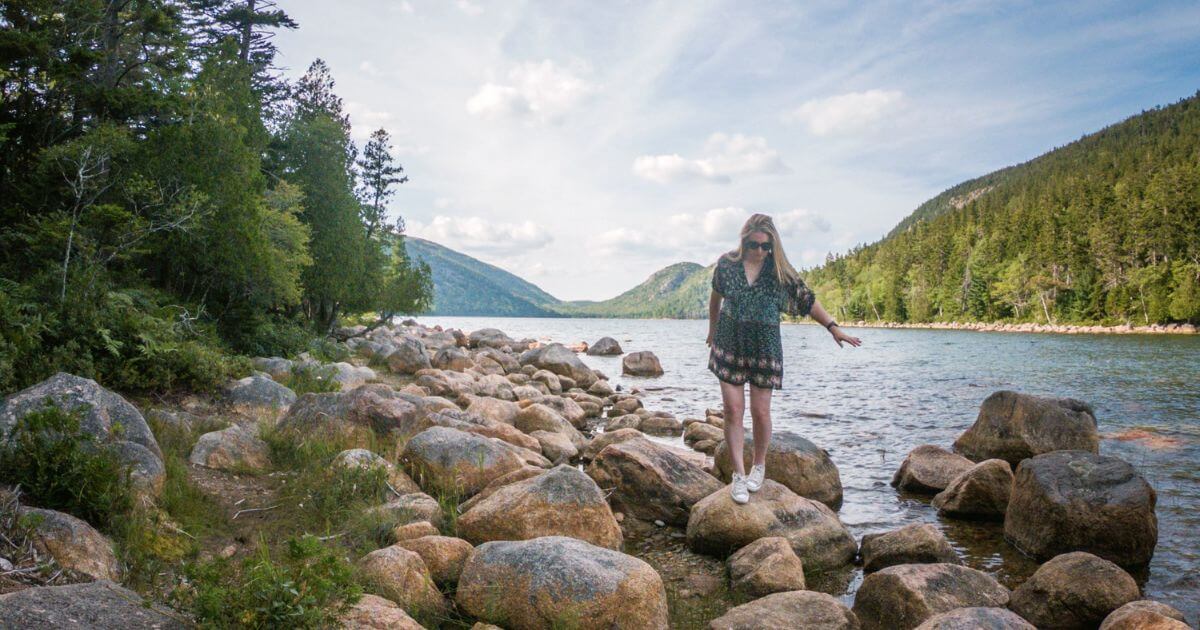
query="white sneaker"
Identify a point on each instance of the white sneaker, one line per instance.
(754, 480)
(738, 489)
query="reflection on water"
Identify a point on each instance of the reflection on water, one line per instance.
(869, 406)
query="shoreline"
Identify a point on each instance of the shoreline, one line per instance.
(1062, 329)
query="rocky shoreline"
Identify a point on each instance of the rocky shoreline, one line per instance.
(530, 492)
(1067, 329)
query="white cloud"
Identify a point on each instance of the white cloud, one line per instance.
(443, 202)
(364, 120)
(845, 113)
(481, 235)
(470, 8)
(540, 90)
(725, 156)
(699, 236)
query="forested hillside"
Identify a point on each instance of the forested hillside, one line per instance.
(466, 286)
(1103, 230)
(168, 201)
(677, 291)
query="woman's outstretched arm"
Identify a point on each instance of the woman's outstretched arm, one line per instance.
(818, 313)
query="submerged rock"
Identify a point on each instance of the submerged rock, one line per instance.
(605, 346)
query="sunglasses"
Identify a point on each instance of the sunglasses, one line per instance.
(766, 247)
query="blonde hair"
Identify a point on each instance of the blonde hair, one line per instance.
(784, 271)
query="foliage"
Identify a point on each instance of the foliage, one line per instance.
(311, 378)
(306, 585)
(58, 467)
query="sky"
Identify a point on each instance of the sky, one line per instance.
(585, 145)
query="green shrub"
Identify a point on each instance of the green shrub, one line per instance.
(58, 467)
(328, 350)
(311, 378)
(307, 586)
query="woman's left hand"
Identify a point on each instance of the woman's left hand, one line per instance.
(840, 337)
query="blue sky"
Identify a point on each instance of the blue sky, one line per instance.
(585, 145)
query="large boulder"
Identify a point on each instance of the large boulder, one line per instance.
(103, 414)
(696, 432)
(495, 386)
(278, 368)
(651, 481)
(976, 618)
(979, 493)
(556, 581)
(792, 460)
(1078, 501)
(99, 605)
(929, 469)
(560, 360)
(718, 526)
(409, 357)
(1144, 614)
(410, 508)
(1074, 590)
(660, 423)
(788, 611)
(73, 544)
(235, 448)
(452, 358)
(401, 576)
(494, 409)
(372, 612)
(258, 393)
(906, 595)
(602, 440)
(555, 446)
(911, 544)
(605, 346)
(351, 376)
(472, 423)
(539, 417)
(374, 407)
(765, 566)
(1013, 426)
(643, 363)
(452, 461)
(490, 338)
(520, 474)
(560, 502)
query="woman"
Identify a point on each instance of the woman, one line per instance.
(750, 286)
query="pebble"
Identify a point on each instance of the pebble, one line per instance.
(5, 565)
(659, 523)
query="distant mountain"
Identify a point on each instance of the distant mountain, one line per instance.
(466, 286)
(463, 285)
(677, 291)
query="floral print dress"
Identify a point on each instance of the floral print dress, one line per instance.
(746, 344)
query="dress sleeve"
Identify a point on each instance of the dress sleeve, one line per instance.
(718, 277)
(798, 299)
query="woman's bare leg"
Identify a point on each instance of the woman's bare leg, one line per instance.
(734, 399)
(760, 415)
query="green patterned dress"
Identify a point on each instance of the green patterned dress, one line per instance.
(746, 344)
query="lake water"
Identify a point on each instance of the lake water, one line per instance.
(870, 406)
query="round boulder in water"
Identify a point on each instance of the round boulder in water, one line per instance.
(1079, 501)
(793, 461)
(1014, 426)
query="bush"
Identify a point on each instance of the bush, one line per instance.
(311, 378)
(60, 468)
(310, 586)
